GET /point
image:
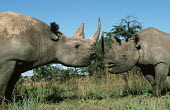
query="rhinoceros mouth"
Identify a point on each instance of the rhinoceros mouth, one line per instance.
(110, 71)
(110, 65)
(109, 68)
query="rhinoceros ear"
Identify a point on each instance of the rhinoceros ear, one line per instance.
(136, 41)
(54, 28)
(55, 38)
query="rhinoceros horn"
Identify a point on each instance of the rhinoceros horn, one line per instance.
(105, 46)
(79, 33)
(116, 41)
(96, 35)
(102, 44)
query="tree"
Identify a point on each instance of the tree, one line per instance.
(52, 71)
(126, 29)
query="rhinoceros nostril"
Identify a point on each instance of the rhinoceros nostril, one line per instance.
(93, 54)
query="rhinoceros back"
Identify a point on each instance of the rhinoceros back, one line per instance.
(20, 35)
(155, 46)
(16, 23)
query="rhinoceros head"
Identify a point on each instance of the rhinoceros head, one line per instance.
(122, 55)
(76, 51)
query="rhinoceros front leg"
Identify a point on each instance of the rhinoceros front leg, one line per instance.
(149, 74)
(9, 90)
(161, 72)
(6, 71)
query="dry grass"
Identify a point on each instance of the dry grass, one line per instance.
(110, 92)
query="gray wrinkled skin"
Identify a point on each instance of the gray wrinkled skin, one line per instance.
(149, 50)
(26, 43)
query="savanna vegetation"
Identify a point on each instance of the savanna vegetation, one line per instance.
(89, 88)
(110, 92)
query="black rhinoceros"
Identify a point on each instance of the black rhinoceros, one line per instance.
(26, 43)
(149, 49)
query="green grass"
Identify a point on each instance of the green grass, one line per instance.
(111, 92)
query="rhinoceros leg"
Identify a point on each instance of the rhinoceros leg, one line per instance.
(15, 77)
(6, 71)
(161, 72)
(149, 74)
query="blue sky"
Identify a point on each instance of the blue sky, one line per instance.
(70, 14)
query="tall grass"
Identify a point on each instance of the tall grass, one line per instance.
(111, 92)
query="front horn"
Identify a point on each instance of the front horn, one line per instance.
(94, 39)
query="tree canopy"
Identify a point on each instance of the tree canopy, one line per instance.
(127, 28)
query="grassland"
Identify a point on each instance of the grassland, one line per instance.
(111, 92)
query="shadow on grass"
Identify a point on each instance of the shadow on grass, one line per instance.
(132, 92)
(165, 90)
(57, 97)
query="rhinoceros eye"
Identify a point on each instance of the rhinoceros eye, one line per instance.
(77, 46)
